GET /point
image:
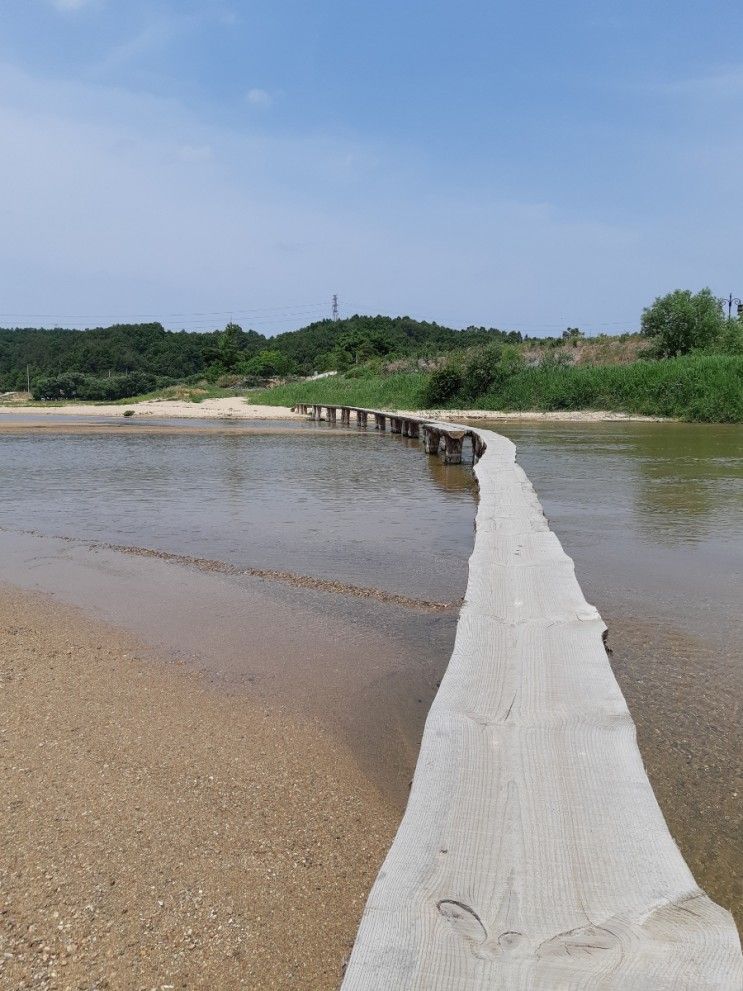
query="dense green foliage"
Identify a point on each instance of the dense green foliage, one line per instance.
(74, 385)
(703, 387)
(693, 367)
(696, 374)
(442, 386)
(127, 348)
(268, 363)
(116, 350)
(337, 346)
(706, 388)
(482, 370)
(398, 391)
(682, 321)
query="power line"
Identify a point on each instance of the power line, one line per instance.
(151, 313)
(196, 328)
(197, 320)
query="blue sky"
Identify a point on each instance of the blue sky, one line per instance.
(525, 165)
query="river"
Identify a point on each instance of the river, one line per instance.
(83, 506)
(652, 514)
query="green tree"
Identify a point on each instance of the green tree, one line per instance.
(572, 335)
(266, 363)
(229, 346)
(488, 368)
(443, 385)
(482, 370)
(731, 339)
(683, 321)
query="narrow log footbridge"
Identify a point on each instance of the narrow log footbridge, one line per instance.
(533, 853)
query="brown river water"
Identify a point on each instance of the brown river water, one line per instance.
(261, 534)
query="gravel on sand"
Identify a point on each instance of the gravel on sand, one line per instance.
(157, 832)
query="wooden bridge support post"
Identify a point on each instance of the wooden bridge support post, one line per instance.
(332, 414)
(452, 454)
(317, 412)
(395, 424)
(380, 422)
(431, 440)
(345, 416)
(361, 418)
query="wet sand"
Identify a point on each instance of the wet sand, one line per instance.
(211, 567)
(158, 832)
(107, 425)
(229, 407)
(687, 708)
(367, 670)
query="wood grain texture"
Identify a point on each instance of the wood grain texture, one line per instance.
(533, 853)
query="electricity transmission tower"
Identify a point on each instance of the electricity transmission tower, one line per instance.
(335, 307)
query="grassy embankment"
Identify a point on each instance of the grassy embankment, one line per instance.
(703, 387)
(398, 390)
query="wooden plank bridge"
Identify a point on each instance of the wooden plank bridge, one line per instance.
(533, 853)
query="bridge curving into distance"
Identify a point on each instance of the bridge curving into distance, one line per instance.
(532, 854)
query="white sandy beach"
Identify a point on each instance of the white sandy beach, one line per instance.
(237, 408)
(232, 407)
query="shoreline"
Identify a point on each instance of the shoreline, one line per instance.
(236, 408)
(286, 642)
(230, 407)
(552, 416)
(236, 856)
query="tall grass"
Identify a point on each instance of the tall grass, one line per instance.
(706, 388)
(397, 391)
(693, 387)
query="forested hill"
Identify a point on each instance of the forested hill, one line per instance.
(149, 348)
(119, 349)
(345, 342)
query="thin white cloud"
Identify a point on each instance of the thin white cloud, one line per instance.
(257, 97)
(162, 29)
(154, 37)
(115, 201)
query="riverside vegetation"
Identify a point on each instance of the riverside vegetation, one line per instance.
(687, 363)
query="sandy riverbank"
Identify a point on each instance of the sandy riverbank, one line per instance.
(232, 407)
(160, 833)
(555, 416)
(237, 408)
